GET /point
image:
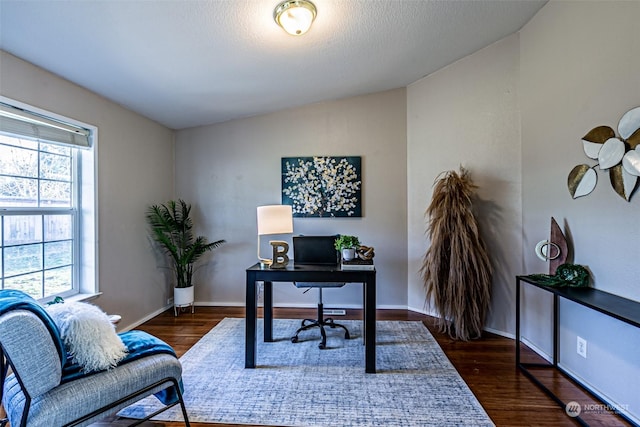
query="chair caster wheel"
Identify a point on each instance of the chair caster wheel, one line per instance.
(321, 346)
(294, 339)
(347, 336)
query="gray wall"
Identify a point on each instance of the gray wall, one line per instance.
(514, 114)
(467, 114)
(229, 169)
(135, 168)
(580, 68)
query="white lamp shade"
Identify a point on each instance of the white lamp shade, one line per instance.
(275, 219)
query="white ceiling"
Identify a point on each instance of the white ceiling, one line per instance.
(187, 63)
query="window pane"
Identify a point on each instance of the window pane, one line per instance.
(55, 193)
(57, 281)
(21, 229)
(54, 148)
(18, 161)
(22, 259)
(54, 166)
(41, 232)
(58, 227)
(26, 143)
(58, 254)
(18, 191)
(29, 283)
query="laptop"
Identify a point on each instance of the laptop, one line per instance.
(316, 250)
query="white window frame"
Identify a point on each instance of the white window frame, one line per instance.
(85, 191)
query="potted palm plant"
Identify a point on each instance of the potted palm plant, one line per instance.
(347, 245)
(172, 230)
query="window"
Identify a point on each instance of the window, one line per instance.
(47, 203)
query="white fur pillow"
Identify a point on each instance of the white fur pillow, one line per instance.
(89, 336)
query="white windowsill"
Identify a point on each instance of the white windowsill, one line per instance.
(83, 297)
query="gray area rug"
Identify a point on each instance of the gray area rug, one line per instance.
(301, 385)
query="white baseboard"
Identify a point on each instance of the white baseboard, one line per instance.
(299, 305)
(144, 319)
(331, 306)
(501, 333)
(218, 304)
(491, 330)
(422, 311)
(537, 350)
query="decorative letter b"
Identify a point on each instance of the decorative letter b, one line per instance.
(280, 257)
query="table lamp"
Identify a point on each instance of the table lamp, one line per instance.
(275, 219)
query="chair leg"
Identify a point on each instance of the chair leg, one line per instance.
(323, 342)
(329, 322)
(183, 407)
(312, 323)
(320, 322)
(141, 392)
(306, 324)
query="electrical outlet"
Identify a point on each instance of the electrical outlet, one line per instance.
(169, 301)
(582, 347)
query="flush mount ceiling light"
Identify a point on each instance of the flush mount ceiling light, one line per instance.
(295, 16)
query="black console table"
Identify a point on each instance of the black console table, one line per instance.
(307, 273)
(623, 309)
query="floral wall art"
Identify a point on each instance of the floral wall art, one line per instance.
(322, 186)
(620, 155)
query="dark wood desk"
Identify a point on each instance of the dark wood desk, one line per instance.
(306, 273)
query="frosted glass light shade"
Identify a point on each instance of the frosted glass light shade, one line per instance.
(295, 16)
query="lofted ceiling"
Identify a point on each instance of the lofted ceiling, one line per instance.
(186, 63)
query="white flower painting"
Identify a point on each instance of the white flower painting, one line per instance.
(322, 186)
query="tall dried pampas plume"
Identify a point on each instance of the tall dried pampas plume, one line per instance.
(456, 270)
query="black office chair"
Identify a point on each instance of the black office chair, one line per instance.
(317, 250)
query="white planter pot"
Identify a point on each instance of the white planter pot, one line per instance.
(182, 297)
(348, 254)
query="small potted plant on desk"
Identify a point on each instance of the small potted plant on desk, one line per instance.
(347, 246)
(172, 229)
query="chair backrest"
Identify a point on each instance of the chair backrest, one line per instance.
(318, 250)
(31, 341)
(31, 350)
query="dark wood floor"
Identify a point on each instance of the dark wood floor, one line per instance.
(487, 365)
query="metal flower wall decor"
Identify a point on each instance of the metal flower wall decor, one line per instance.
(620, 155)
(322, 186)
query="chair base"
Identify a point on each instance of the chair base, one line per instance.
(313, 323)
